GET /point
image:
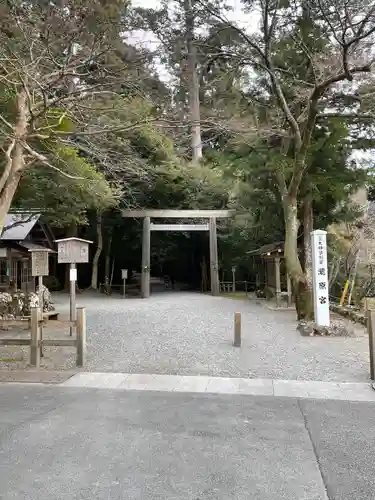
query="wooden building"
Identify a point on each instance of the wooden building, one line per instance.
(272, 276)
(22, 232)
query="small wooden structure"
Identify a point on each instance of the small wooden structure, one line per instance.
(22, 233)
(35, 324)
(209, 217)
(72, 251)
(272, 271)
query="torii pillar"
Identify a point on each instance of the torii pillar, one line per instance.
(146, 258)
(214, 258)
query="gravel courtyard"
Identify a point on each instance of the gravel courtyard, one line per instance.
(191, 334)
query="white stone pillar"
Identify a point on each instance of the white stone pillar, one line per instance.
(320, 277)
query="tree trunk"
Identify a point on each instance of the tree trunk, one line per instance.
(302, 294)
(308, 226)
(193, 84)
(334, 271)
(8, 193)
(99, 248)
(112, 273)
(15, 165)
(107, 267)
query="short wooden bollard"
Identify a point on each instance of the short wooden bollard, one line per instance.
(81, 336)
(35, 337)
(371, 333)
(237, 329)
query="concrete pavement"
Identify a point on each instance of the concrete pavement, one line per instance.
(79, 443)
(223, 385)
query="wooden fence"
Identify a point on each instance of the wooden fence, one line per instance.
(36, 323)
(239, 286)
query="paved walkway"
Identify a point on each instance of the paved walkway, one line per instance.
(217, 385)
(78, 443)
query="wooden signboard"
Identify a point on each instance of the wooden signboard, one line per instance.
(39, 263)
(73, 251)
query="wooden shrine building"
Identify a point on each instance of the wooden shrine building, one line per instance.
(22, 232)
(271, 272)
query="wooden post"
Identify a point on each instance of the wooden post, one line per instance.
(81, 336)
(371, 333)
(35, 337)
(9, 268)
(40, 292)
(237, 329)
(73, 280)
(124, 276)
(278, 281)
(352, 280)
(214, 264)
(289, 289)
(344, 292)
(233, 279)
(41, 305)
(146, 249)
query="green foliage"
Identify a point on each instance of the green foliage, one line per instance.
(58, 120)
(66, 201)
(332, 178)
(152, 145)
(140, 160)
(254, 196)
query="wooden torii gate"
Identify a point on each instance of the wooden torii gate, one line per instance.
(148, 226)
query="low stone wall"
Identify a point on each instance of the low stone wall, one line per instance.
(350, 313)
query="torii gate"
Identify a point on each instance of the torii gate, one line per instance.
(148, 226)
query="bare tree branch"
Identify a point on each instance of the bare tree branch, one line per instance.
(8, 165)
(45, 161)
(18, 223)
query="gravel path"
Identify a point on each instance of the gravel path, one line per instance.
(191, 334)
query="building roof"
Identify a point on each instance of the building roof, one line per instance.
(278, 246)
(30, 246)
(18, 225)
(73, 239)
